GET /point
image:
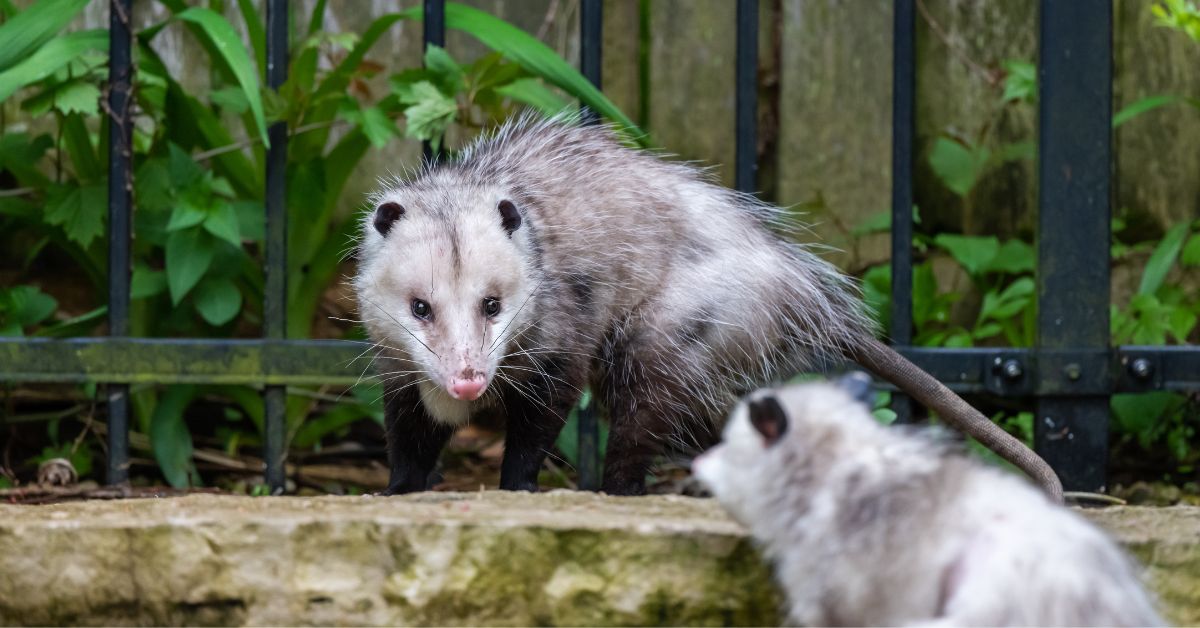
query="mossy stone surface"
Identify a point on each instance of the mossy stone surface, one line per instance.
(495, 558)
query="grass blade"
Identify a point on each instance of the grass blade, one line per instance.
(229, 45)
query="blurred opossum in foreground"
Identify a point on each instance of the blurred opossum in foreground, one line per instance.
(870, 525)
(549, 256)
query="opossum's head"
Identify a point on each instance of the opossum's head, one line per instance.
(774, 433)
(445, 274)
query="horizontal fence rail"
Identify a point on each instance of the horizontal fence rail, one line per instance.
(1071, 372)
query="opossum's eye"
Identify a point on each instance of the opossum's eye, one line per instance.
(510, 218)
(387, 214)
(768, 417)
(491, 306)
(421, 309)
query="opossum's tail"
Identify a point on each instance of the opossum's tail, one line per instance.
(886, 363)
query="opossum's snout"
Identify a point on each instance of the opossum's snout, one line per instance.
(467, 385)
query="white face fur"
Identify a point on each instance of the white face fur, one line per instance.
(441, 283)
(772, 429)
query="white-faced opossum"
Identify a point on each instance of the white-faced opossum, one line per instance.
(870, 526)
(548, 256)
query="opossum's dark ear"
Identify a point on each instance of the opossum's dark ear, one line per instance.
(768, 417)
(386, 215)
(858, 385)
(510, 218)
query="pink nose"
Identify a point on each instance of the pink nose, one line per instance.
(468, 389)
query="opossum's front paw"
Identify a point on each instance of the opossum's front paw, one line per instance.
(518, 485)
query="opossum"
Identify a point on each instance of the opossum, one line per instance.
(869, 526)
(549, 256)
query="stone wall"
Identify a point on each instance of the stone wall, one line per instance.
(494, 558)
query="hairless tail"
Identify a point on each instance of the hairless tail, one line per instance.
(882, 360)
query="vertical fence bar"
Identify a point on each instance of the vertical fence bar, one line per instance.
(433, 31)
(120, 193)
(1074, 131)
(746, 87)
(904, 89)
(275, 295)
(590, 31)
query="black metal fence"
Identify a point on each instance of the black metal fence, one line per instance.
(1071, 371)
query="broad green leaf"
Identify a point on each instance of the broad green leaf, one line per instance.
(1021, 81)
(1138, 107)
(373, 122)
(1138, 412)
(441, 65)
(76, 96)
(146, 282)
(80, 211)
(1162, 259)
(1014, 256)
(217, 300)
(222, 222)
(189, 254)
(956, 165)
(258, 35)
(20, 155)
(316, 18)
(23, 35)
(1190, 256)
(431, 114)
(49, 58)
(169, 436)
(1181, 321)
(28, 306)
(880, 222)
(230, 46)
(973, 253)
(327, 424)
(186, 213)
(534, 93)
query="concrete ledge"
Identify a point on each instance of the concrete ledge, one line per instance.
(435, 558)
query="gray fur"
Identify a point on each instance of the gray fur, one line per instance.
(874, 526)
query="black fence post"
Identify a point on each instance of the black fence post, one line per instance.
(904, 87)
(120, 233)
(591, 42)
(433, 31)
(746, 87)
(275, 296)
(1074, 130)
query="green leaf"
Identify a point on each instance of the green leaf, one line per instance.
(973, 253)
(1138, 107)
(75, 326)
(258, 35)
(186, 214)
(534, 93)
(1013, 257)
(23, 35)
(78, 144)
(230, 99)
(374, 123)
(218, 301)
(1191, 251)
(28, 306)
(76, 96)
(1021, 81)
(49, 58)
(956, 165)
(1139, 412)
(1162, 259)
(222, 222)
(336, 419)
(169, 436)
(230, 46)
(431, 114)
(146, 282)
(880, 222)
(189, 254)
(80, 211)
(448, 73)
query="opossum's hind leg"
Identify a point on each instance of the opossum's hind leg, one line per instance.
(536, 409)
(414, 440)
(647, 401)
